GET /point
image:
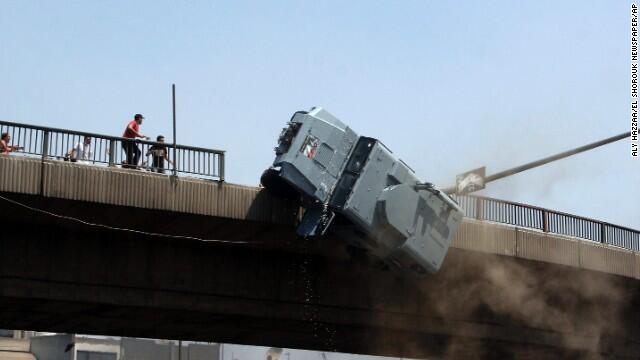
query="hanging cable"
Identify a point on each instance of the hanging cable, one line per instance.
(70, 218)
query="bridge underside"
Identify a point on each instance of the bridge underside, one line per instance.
(63, 276)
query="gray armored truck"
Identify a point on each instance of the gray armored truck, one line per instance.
(356, 186)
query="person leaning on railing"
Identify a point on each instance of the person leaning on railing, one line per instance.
(5, 148)
(129, 146)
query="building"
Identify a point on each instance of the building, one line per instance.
(30, 345)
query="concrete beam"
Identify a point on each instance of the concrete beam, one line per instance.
(66, 277)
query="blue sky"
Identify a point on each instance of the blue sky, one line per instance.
(448, 86)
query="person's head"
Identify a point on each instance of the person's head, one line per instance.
(138, 118)
(160, 138)
(5, 136)
(87, 140)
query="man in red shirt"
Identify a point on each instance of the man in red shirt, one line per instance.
(130, 148)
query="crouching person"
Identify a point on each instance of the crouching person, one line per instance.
(159, 154)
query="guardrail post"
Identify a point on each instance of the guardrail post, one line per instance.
(45, 153)
(603, 233)
(112, 152)
(478, 208)
(175, 160)
(221, 167)
(545, 221)
(45, 144)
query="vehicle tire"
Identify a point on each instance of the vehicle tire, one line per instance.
(276, 186)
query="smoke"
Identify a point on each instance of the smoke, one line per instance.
(546, 187)
(582, 306)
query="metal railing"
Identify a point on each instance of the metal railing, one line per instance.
(56, 144)
(551, 221)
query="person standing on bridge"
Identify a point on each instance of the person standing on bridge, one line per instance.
(5, 148)
(129, 146)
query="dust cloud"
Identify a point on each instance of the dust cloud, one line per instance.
(583, 308)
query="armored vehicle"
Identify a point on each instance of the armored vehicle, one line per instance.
(356, 186)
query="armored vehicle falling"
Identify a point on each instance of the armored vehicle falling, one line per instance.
(357, 186)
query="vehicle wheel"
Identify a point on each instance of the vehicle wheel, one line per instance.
(276, 186)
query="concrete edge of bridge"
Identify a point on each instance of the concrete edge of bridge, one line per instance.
(508, 240)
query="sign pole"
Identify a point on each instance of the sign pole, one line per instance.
(175, 153)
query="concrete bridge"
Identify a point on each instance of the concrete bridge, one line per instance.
(80, 252)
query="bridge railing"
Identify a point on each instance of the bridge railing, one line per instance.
(53, 143)
(551, 221)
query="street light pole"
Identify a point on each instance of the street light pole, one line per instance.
(546, 160)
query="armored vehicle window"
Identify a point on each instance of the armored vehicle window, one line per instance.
(356, 162)
(360, 155)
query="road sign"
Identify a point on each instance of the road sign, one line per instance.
(470, 181)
